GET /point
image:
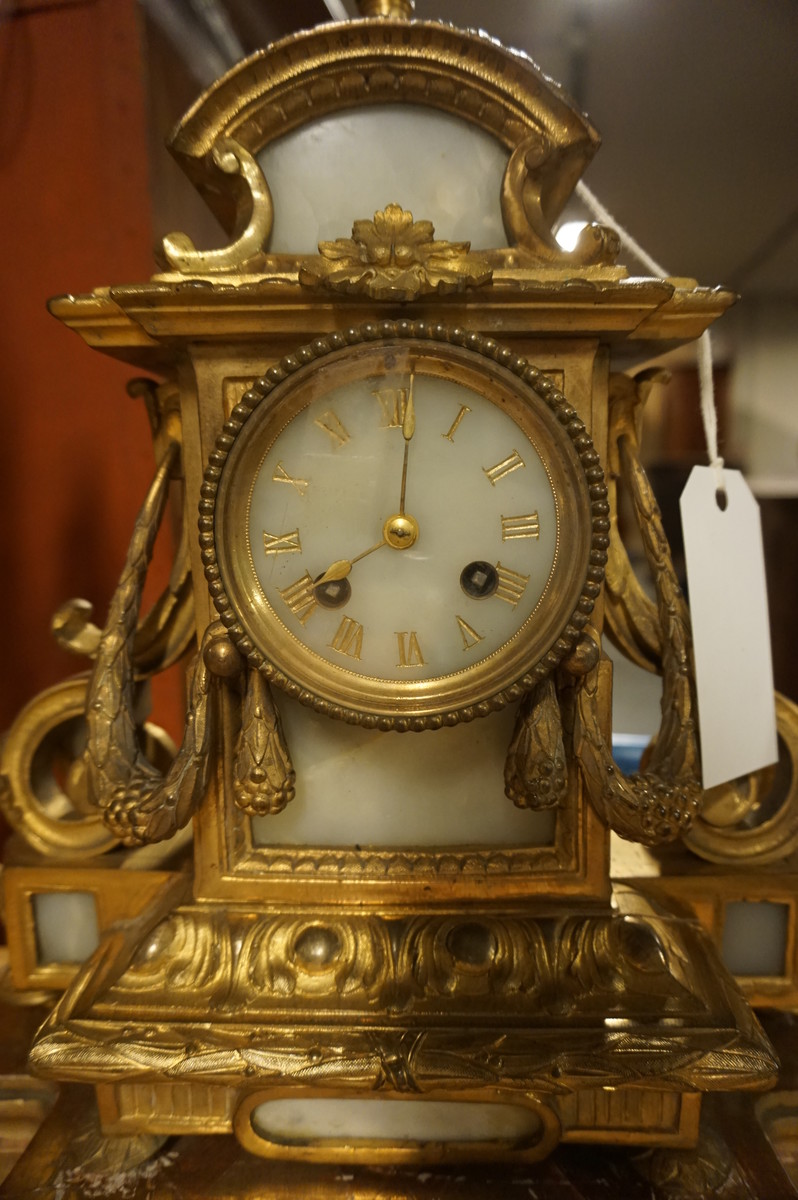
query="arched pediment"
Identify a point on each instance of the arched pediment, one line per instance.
(544, 142)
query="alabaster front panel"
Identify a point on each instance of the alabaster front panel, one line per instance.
(353, 163)
(364, 787)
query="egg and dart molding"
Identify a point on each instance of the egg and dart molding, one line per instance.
(364, 911)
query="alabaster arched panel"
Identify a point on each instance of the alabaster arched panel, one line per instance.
(446, 88)
(356, 162)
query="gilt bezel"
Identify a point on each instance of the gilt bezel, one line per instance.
(507, 674)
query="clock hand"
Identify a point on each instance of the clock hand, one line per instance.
(399, 531)
(408, 429)
(341, 568)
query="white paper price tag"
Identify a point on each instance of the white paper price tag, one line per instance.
(731, 632)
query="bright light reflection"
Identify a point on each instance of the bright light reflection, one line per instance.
(568, 234)
(337, 10)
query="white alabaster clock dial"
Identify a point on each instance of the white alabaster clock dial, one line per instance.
(403, 527)
(440, 586)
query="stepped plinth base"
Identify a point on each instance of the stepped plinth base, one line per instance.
(601, 1026)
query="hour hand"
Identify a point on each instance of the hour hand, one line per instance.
(332, 588)
(337, 570)
(342, 566)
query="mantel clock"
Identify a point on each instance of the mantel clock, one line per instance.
(390, 405)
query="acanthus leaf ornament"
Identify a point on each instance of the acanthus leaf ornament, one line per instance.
(536, 772)
(138, 802)
(659, 803)
(263, 777)
(393, 257)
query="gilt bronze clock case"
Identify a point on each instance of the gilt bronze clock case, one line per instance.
(398, 889)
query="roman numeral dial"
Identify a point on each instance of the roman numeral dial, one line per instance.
(281, 543)
(513, 462)
(409, 650)
(348, 639)
(407, 529)
(452, 430)
(470, 637)
(521, 527)
(300, 598)
(511, 585)
(281, 476)
(406, 524)
(330, 423)
(393, 405)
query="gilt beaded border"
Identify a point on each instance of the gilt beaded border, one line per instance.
(538, 383)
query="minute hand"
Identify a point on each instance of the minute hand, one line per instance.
(408, 429)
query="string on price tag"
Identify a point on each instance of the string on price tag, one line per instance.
(726, 585)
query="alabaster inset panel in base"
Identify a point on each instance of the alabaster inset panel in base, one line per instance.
(66, 926)
(630, 1115)
(56, 918)
(752, 918)
(755, 937)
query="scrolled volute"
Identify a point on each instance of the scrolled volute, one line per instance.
(753, 820)
(533, 196)
(179, 251)
(46, 806)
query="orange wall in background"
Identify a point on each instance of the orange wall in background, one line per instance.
(75, 213)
